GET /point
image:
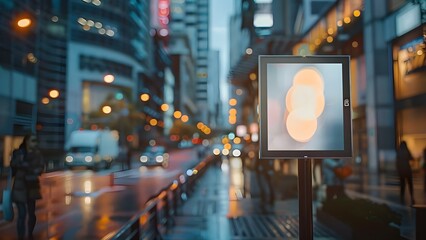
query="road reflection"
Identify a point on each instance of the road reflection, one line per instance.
(88, 205)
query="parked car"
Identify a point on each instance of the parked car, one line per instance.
(154, 156)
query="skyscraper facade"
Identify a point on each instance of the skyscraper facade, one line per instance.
(18, 70)
(77, 64)
(109, 61)
(190, 26)
(201, 13)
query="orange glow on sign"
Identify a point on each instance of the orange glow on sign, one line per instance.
(301, 125)
(305, 103)
(309, 76)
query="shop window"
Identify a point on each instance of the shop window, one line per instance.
(410, 69)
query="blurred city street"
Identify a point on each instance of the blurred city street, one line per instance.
(200, 119)
(88, 205)
(227, 202)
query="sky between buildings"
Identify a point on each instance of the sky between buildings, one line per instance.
(220, 12)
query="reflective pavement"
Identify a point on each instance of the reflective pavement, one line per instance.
(227, 204)
(224, 207)
(382, 188)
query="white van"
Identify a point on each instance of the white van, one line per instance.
(92, 149)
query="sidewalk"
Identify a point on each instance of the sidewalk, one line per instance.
(218, 209)
(385, 189)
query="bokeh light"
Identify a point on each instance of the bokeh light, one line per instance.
(106, 109)
(54, 93)
(144, 97)
(177, 114)
(305, 102)
(164, 107)
(23, 22)
(109, 78)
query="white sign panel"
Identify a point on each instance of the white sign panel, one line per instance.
(305, 107)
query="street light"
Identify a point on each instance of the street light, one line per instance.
(144, 97)
(45, 100)
(109, 78)
(54, 93)
(164, 107)
(23, 22)
(106, 109)
(184, 118)
(232, 102)
(153, 122)
(177, 114)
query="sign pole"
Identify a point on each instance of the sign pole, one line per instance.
(305, 199)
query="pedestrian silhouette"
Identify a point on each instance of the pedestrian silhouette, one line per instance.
(403, 158)
(129, 158)
(27, 164)
(264, 173)
(317, 165)
(424, 169)
(334, 185)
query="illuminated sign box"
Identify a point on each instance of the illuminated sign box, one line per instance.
(305, 109)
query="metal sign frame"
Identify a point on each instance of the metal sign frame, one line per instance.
(295, 88)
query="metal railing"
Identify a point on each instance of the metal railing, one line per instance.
(160, 209)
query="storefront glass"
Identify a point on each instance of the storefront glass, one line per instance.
(409, 70)
(412, 129)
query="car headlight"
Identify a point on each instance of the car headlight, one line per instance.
(216, 151)
(236, 153)
(143, 159)
(69, 159)
(88, 158)
(159, 159)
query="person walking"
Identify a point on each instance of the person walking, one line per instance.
(264, 172)
(129, 158)
(317, 165)
(424, 169)
(27, 165)
(403, 158)
(334, 185)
